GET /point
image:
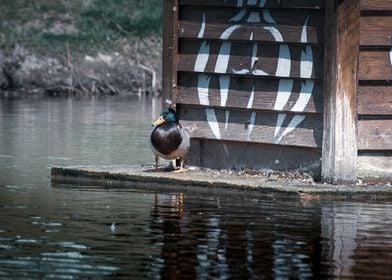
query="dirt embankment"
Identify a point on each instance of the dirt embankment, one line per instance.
(80, 47)
(126, 70)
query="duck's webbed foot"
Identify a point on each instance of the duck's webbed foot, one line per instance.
(181, 169)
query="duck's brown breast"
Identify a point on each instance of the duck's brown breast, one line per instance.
(166, 138)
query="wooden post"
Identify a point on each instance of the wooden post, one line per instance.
(342, 34)
(170, 51)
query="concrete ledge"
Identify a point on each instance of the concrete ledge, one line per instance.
(147, 177)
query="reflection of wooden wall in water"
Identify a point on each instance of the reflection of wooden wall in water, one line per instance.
(248, 79)
(375, 86)
(245, 239)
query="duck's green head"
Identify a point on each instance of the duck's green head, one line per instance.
(168, 115)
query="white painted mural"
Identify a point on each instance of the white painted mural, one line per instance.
(390, 56)
(265, 19)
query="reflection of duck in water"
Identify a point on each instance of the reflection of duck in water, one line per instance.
(168, 139)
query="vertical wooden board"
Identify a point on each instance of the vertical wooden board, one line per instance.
(375, 65)
(375, 100)
(167, 52)
(251, 126)
(236, 155)
(376, 5)
(252, 93)
(341, 55)
(376, 30)
(170, 51)
(375, 134)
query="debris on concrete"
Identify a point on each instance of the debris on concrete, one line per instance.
(146, 176)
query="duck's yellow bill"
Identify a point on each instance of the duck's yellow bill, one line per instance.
(159, 121)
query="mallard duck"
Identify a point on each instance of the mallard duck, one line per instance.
(168, 139)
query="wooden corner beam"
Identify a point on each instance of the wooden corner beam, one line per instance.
(170, 52)
(342, 39)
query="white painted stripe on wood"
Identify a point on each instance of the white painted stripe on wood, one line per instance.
(294, 123)
(285, 89)
(267, 17)
(306, 66)
(275, 33)
(256, 72)
(284, 62)
(251, 125)
(241, 71)
(254, 55)
(279, 122)
(390, 56)
(304, 96)
(251, 98)
(213, 122)
(203, 85)
(222, 62)
(202, 27)
(259, 72)
(238, 16)
(224, 85)
(254, 17)
(226, 34)
(202, 57)
(227, 116)
(224, 53)
(304, 33)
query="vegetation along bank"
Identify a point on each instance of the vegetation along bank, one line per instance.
(78, 47)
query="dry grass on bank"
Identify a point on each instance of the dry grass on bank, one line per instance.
(80, 46)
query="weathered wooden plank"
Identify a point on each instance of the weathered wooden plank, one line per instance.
(251, 126)
(375, 134)
(289, 33)
(212, 23)
(375, 100)
(376, 5)
(375, 65)
(370, 165)
(170, 50)
(309, 4)
(228, 155)
(252, 16)
(241, 92)
(340, 84)
(251, 59)
(376, 30)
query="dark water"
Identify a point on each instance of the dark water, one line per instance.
(65, 232)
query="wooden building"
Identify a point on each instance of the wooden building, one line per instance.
(283, 84)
